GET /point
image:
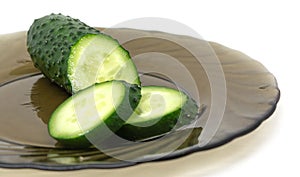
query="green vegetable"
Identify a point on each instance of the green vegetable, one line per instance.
(160, 110)
(104, 80)
(75, 56)
(89, 111)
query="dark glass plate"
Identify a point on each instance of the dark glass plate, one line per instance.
(27, 99)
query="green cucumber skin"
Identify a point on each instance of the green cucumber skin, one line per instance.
(184, 116)
(114, 122)
(49, 43)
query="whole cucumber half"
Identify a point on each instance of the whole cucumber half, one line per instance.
(98, 110)
(75, 55)
(160, 110)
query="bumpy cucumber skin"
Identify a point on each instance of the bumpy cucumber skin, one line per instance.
(184, 116)
(114, 122)
(49, 43)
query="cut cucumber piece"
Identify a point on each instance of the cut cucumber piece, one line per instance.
(75, 56)
(89, 111)
(160, 110)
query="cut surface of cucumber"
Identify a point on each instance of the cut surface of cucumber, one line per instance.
(160, 110)
(155, 103)
(102, 105)
(99, 58)
(75, 55)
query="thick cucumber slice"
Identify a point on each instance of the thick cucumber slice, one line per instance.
(75, 56)
(160, 110)
(89, 111)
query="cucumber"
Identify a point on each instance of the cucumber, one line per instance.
(160, 110)
(87, 112)
(75, 56)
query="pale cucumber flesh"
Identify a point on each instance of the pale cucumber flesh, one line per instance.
(155, 103)
(99, 58)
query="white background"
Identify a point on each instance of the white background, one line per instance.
(268, 31)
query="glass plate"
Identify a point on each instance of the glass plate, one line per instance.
(27, 99)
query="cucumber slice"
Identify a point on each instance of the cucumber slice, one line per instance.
(75, 56)
(90, 110)
(160, 110)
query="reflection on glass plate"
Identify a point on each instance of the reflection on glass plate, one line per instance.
(27, 99)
